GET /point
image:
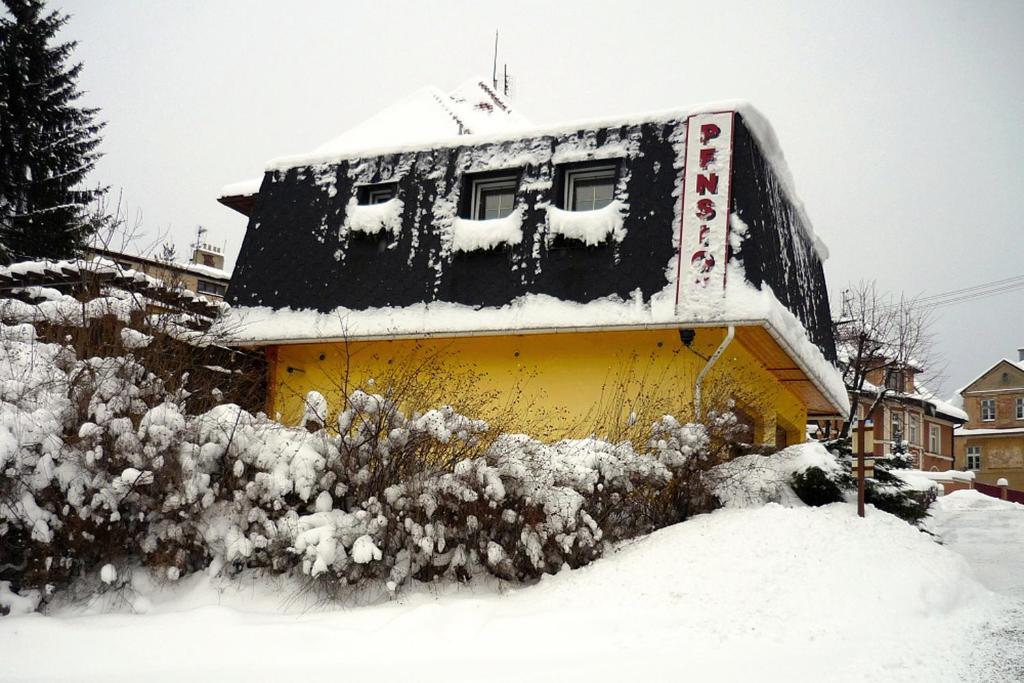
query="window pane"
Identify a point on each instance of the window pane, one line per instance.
(496, 203)
(592, 193)
(380, 196)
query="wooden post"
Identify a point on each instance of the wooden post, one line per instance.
(861, 446)
(1003, 485)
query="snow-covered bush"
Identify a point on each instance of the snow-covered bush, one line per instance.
(111, 459)
(103, 468)
(884, 490)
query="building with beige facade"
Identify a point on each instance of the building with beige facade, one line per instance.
(991, 442)
(909, 419)
(204, 274)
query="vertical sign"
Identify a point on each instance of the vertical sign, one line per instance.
(704, 229)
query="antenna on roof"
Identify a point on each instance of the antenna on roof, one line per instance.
(494, 65)
(507, 85)
(200, 231)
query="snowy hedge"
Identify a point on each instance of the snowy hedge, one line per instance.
(103, 469)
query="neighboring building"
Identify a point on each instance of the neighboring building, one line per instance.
(910, 420)
(991, 443)
(659, 259)
(204, 274)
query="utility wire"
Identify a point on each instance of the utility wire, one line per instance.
(955, 296)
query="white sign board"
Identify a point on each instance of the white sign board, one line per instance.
(704, 229)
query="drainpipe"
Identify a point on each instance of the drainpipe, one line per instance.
(711, 361)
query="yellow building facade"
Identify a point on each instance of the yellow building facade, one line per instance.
(550, 385)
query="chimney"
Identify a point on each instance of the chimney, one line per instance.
(1020, 355)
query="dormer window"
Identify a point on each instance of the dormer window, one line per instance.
(377, 194)
(896, 381)
(493, 197)
(588, 188)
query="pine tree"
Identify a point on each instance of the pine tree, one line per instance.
(47, 143)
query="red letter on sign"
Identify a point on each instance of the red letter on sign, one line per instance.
(704, 261)
(709, 131)
(706, 209)
(707, 183)
(707, 155)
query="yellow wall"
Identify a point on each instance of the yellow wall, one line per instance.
(1002, 457)
(548, 385)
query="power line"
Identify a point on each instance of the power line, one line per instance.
(1017, 279)
(955, 296)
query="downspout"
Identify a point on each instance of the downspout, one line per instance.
(730, 333)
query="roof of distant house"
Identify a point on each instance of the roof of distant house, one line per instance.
(194, 268)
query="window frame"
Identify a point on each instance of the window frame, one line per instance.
(895, 426)
(985, 403)
(365, 194)
(221, 289)
(973, 453)
(477, 186)
(914, 429)
(1019, 403)
(934, 438)
(588, 171)
(896, 381)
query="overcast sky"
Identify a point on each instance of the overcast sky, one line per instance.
(901, 121)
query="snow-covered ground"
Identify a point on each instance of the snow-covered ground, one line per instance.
(770, 593)
(990, 534)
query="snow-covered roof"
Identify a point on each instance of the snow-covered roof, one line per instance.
(201, 269)
(742, 304)
(194, 268)
(242, 188)
(1009, 431)
(475, 114)
(922, 395)
(472, 109)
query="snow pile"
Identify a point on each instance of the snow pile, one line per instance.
(469, 235)
(370, 219)
(754, 480)
(590, 227)
(770, 593)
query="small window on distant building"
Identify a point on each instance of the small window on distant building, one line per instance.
(1020, 408)
(974, 457)
(988, 410)
(377, 194)
(493, 197)
(934, 438)
(589, 188)
(895, 380)
(897, 428)
(915, 429)
(207, 287)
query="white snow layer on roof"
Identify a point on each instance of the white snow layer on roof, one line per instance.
(419, 123)
(741, 304)
(243, 188)
(473, 108)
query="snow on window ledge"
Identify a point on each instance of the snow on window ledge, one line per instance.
(372, 218)
(469, 235)
(590, 227)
